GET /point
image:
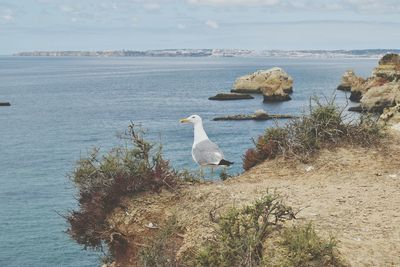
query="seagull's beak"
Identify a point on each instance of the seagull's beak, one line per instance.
(184, 121)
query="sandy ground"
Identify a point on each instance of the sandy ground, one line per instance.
(351, 193)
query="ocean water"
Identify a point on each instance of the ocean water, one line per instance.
(62, 107)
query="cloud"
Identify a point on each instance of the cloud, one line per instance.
(181, 26)
(7, 15)
(366, 6)
(212, 24)
(151, 6)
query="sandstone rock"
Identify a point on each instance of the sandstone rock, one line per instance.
(388, 68)
(350, 80)
(391, 116)
(275, 94)
(257, 81)
(388, 71)
(379, 97)
(230, 96)
(358, 90)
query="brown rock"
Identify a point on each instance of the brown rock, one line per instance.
(377, 98)
(230, 96)
(350, 80)
(275, 94)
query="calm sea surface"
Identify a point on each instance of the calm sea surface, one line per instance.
(62, 107)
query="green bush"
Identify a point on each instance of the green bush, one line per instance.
(324, 127)
(300, 246)
(102, 180)
(240, 234)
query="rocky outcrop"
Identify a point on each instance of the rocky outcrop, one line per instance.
(258, 81)
(379, 91)
(259, 115)
(391, 116)
(274, 94)
(350, 80)
(230, 96)
(377, 98)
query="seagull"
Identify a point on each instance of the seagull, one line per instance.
(204, 152)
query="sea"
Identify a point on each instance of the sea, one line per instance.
(62, 107)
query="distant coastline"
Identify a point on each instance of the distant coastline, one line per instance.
(361, 53)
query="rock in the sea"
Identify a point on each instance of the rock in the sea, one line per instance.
(230, 96)
(259, 80)
(350, 80)
(5, 104)
(379, 91)
(259, 115)
(358, 108)
(275, 95)
(376, 99)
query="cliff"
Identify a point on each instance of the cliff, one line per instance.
(349, 192)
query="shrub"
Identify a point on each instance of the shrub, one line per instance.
(238, 241)
(324, 127)
(301, 246)
(103, 180)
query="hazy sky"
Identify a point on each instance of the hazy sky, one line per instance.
(27, 25)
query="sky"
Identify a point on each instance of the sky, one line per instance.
(31, 25)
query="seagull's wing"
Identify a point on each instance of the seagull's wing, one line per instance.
(207, 153)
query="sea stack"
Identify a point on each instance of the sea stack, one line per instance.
(379, 91)
(275, 84)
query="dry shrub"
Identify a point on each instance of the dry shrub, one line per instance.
(324, 127)
(102, 180)
(240, 234)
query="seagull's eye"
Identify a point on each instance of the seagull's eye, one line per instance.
(193, 117)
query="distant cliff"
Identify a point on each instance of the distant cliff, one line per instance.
(365, 53)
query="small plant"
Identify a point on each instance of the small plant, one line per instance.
(102, 180)
(161, 249)
(239, 238)
(224, 175)
(324, 127)
(301, 246)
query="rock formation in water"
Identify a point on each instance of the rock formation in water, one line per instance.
(5, 104)
(230, 96)
(350, 80)
(379, 91)
(259, 115)
(259, 80)
(275, 93)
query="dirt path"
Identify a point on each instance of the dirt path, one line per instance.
(352, 193)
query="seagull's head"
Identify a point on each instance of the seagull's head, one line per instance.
(193, 119)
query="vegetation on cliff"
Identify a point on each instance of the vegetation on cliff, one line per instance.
(251, 235)
(102, 180)
(324, 127)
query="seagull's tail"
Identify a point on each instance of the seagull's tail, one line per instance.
(225, 162)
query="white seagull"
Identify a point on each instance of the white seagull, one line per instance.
(204, 152)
